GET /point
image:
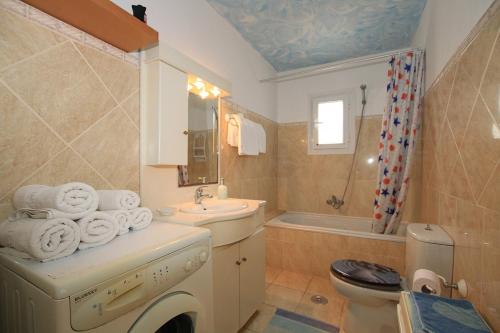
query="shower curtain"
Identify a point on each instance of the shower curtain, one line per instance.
(400, 126)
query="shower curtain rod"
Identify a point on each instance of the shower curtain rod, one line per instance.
(335, 66)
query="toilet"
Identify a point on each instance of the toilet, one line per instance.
(372, 290)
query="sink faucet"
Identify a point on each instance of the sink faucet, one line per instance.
(199, 195)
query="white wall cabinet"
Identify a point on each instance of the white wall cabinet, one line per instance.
(239, 281)
(165, 114)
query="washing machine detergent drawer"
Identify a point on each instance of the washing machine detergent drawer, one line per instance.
(108, 300)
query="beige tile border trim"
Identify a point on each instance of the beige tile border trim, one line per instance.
(36, 16)
(467, 41)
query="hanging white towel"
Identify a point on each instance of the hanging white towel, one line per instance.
(248, 143)
(118, 199)
(96, 229)
(71, 200)
(40, 239)
(261, 137)
(140, 218)
(122, 217)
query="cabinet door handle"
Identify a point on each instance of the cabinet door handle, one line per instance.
(244, 259)
(186, 132)
(238, 262)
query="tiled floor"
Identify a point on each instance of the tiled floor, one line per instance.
(292, 291)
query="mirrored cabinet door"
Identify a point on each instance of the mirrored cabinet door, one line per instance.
(203, 142)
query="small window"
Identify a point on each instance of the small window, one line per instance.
(330, 125)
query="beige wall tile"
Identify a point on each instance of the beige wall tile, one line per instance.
(491, 196)
(489, 86)
(437, 102)
(490, 270)
(49, 75)
(306, 181)
(458, 184)
(462, 99)
(478, 52)
(272, 273)
(474, 179)
(447, 151)
(250, 177)
(120, 78)
(26, 143)
(274, 253)
(297, 257)
(481, 148)
(132, 106)
(116, 136)
(22, 38)
(67, 167)
(62, 89)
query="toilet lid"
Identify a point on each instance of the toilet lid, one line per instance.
(368, 275)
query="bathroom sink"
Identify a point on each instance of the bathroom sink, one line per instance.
(214, 207)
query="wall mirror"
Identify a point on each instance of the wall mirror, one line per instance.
(203, 141)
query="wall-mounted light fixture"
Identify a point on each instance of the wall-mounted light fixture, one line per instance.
(203, 88)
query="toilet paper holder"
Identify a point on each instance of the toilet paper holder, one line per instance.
(460, 286)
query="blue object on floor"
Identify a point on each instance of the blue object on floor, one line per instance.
(290, 322)
(434, 314)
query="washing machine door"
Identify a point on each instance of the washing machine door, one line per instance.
(173, 313)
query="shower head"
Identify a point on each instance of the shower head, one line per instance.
(363, 90)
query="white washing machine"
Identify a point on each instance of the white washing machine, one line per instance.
(154, 280)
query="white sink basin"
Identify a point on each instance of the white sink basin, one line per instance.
(214, 207)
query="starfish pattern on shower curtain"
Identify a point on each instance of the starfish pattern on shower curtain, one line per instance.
(400, 125)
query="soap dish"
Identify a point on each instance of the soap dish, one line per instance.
(167, 211)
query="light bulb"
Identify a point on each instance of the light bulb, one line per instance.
(199, 84)
(215, 91)
(189, 86)
(203, 94)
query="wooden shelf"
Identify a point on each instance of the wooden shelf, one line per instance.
(102, 19)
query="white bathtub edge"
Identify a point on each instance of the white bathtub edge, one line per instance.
(276, 222)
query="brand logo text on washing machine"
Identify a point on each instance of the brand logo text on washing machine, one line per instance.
(85, 295)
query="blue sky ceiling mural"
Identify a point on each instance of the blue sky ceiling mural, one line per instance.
(292, 34)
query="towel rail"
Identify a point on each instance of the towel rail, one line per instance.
(229, 118)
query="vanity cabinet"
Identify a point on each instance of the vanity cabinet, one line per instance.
(165, 114)
(239, 281)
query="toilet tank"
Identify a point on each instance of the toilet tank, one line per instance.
(428, 246)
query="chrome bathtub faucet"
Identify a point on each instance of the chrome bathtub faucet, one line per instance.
(199, 195)
(335, 202)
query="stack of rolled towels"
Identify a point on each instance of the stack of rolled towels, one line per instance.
(53, 222)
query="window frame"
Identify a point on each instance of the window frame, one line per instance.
(347, 96)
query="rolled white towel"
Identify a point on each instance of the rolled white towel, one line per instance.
(122, 217)
(118, 199)
(71, 200)
(40, 239)
(96, 229)
(140, 218)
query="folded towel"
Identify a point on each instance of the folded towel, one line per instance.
(71, 200)
(122, 217)
(140, 218)
(39, 239)
(261, 138)
(430, 313)
(118, 199)
(96, 229)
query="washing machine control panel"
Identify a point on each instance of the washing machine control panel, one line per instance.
(108, 300)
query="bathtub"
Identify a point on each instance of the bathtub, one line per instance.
(335, 224)
(308, 243)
